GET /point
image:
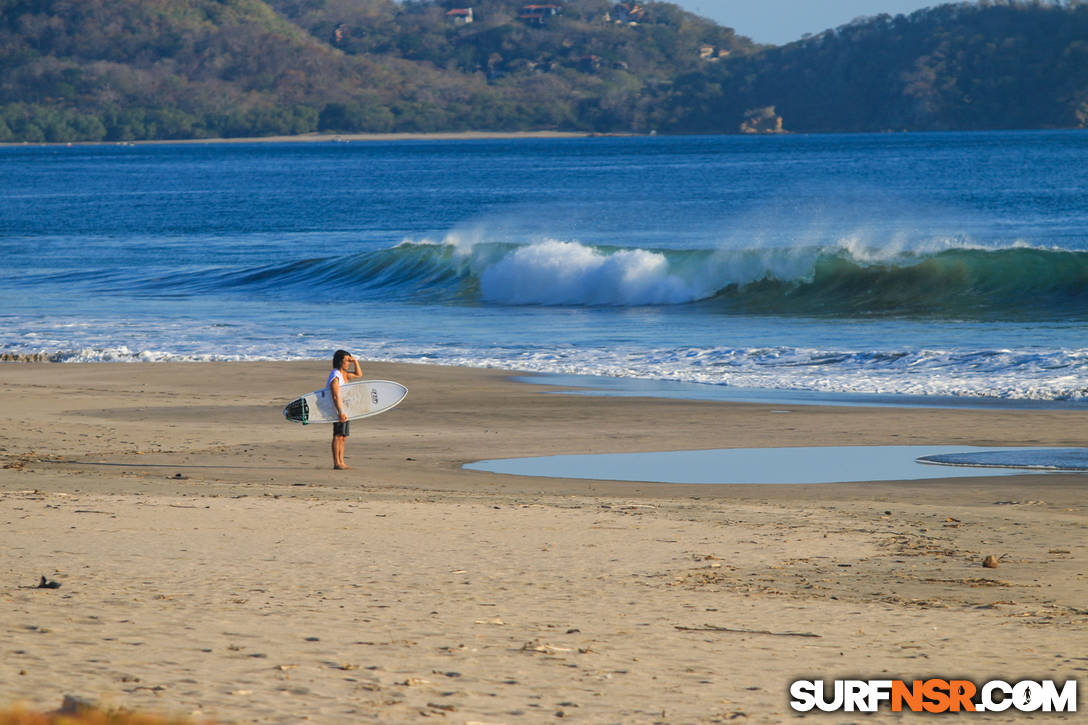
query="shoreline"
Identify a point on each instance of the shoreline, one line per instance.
(213, 565)
(317, 137)
(342, 138)
(597, 386)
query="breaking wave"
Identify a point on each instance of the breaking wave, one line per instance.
(1019, 282)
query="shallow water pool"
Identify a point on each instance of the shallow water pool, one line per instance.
(823, 464)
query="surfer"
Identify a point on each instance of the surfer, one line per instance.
(345, 368)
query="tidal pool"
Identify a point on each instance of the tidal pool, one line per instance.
(818, 464)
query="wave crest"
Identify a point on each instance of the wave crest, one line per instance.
(567, 273)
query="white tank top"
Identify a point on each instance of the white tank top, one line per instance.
(335, 374)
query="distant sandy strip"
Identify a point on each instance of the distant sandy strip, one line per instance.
(210, 562)
(446, 136)
(346, 137)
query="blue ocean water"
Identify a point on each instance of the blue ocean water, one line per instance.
(907, 264)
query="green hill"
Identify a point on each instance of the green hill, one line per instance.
(170, 69)
(141, 69)
(994, 65)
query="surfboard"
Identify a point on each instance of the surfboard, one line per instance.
(361, 399)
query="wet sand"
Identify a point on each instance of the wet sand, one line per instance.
(210, 562)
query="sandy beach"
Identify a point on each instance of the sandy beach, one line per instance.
(211, 564)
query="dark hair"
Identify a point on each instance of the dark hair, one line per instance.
(338, 358)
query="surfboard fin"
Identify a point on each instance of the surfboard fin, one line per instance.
(298, 411)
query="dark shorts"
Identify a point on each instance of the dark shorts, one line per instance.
(341, 429)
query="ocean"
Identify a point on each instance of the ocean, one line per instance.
(940, 265)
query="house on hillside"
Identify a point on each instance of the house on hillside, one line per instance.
(537, 14)
(459, 16)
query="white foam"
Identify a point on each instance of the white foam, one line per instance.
(567, 273)
(1008, 375)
